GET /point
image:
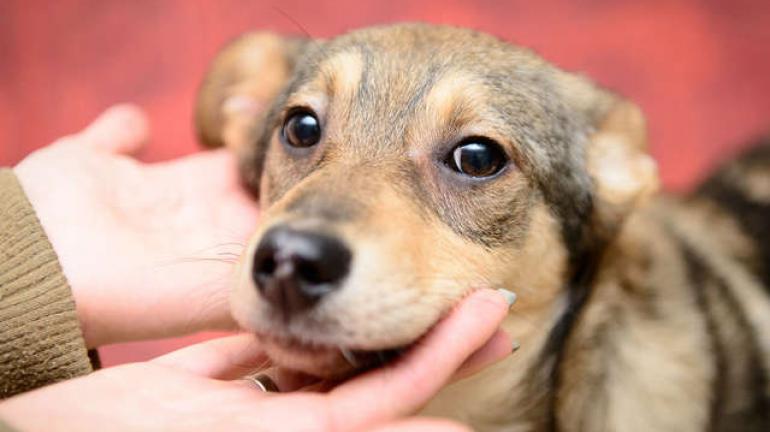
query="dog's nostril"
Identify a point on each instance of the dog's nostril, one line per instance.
(264, 267)
(294, 269)
(329, 267)
(309, 272)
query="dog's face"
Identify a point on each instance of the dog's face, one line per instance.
(399, 168)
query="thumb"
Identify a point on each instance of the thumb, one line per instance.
(121, 129)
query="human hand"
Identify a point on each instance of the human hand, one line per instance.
(190, 389)
(148, 249)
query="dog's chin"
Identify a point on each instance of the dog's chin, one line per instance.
(323, 361)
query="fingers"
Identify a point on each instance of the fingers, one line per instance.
(121, 129)
(224, 358)
(419, 424)
(498, 347)
(409, 383)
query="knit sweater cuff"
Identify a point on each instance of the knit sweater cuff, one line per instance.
(40, 337)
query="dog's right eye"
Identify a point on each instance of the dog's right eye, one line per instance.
(301, 129)
(477, 157)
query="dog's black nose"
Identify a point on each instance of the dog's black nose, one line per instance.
(294, 269)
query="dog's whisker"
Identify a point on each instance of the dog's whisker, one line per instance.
(229, 254)
(349, 357)
(240, 247)
(228, 257)
(232, 243)
(263, 365)
(294, 21)
(189, 260)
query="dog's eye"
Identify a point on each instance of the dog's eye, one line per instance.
(302, 129)
(477, 157)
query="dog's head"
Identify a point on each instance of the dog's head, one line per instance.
(401, 167)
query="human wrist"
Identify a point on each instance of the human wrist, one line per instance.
(34, 295)
(36, 197)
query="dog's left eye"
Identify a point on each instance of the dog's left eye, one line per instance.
(477, 157)
(302, 129)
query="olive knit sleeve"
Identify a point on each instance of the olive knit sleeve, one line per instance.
(40, 337)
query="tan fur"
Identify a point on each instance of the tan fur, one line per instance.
(392, 102)
(748, 290)
(455, 100)
(494, 391)
(664, 379)
(342, 74)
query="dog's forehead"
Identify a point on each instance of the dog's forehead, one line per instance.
(402, 63)
(376, 82)
(382, 86)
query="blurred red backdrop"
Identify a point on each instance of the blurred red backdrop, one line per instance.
(699, 69)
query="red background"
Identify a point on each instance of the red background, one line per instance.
(699, 69)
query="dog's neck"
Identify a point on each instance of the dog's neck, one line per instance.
(631, 346)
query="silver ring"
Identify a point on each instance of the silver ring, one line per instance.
(262, 382)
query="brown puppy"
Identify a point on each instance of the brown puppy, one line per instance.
(400, 167)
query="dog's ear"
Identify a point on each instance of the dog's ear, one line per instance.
(240, 86)
(624, 174)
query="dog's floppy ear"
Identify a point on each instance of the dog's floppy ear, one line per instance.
(239, 87)
(624, 174)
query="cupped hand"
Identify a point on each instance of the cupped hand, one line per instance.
(193, 389)
(148, 249)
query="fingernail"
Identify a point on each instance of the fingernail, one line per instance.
(515, 345)
(510, 296)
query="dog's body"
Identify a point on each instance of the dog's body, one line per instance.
(674, 336)
(427, 161)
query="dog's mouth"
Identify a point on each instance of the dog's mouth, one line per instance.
(323, 360)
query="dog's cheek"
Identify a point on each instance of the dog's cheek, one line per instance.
(536, 268)
(409, 280)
